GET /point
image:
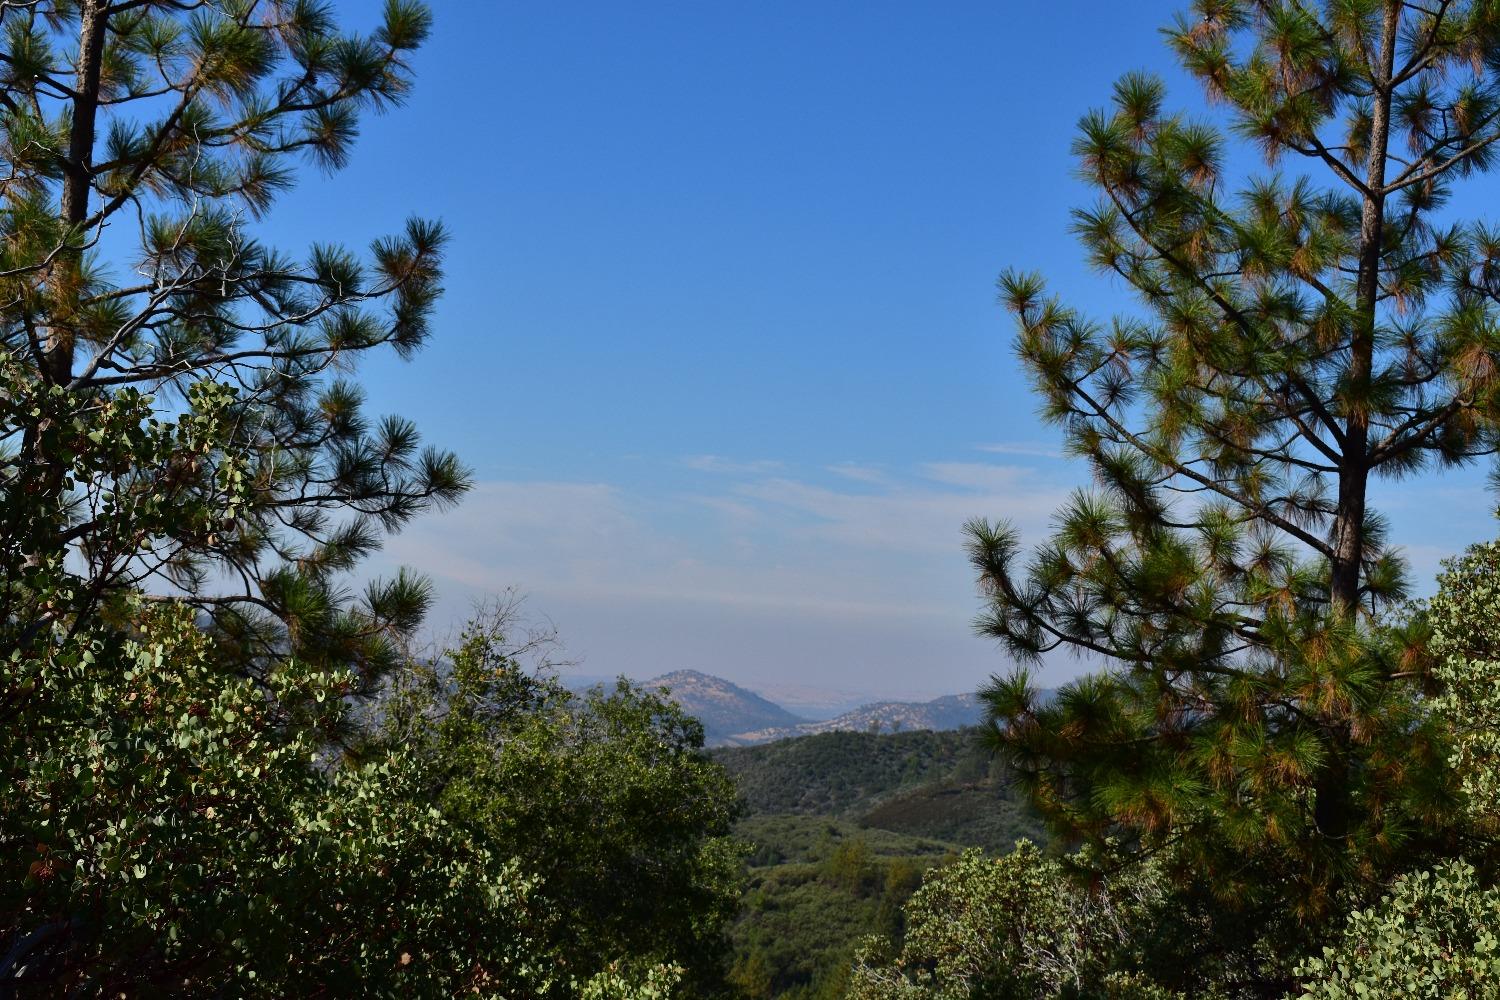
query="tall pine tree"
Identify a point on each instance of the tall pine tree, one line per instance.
(172, 418)
(1301, 334)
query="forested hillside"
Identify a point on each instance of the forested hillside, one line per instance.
(942, 785)
(841, 827)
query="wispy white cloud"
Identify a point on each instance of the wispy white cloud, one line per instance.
(921, 515)
(1027, 449)
(981, 476)
(859, 473)
(769, 541)
(867, 572)
(732, 467)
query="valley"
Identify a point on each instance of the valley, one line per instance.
(840, 827)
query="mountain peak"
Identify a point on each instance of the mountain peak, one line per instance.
(690, 677)
(723, 707)
(734, 716)
(952, 711)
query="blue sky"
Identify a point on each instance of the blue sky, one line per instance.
(720, 338)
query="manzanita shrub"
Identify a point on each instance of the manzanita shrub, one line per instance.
(161, 830)
(1465, 618)
(1018, 926)
(1437, 934)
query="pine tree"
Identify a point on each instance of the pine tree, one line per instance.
(170, 410)
(1300, 335)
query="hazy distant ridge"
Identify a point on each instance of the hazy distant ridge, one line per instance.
(952, 711)
(724, 708)
(734, 716)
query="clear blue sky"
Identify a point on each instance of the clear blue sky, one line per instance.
(720, 338)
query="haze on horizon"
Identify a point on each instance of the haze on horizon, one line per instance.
(720, 338)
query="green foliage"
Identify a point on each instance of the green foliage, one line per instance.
(1016, 926)
(1299, 335)
(1465, 619)
(170, 425)
(162, 832)
(605, 799)
(1437, 934)
(632, 981)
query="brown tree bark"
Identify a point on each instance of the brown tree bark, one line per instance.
(1354, 473)
(1331, 810)
(57, 363)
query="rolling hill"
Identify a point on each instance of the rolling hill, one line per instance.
(938, 785)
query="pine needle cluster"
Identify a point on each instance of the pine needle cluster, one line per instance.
(140, 143)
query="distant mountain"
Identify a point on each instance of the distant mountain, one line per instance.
(734, 716)
(724, 708)
(954, 711)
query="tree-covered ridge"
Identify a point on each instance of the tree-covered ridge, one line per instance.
(942, 785)
(840, 827)
(843, 773)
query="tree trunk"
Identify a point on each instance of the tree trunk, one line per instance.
(1354, 473)
(57, 362)
(43, 479)
(1331, 811)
